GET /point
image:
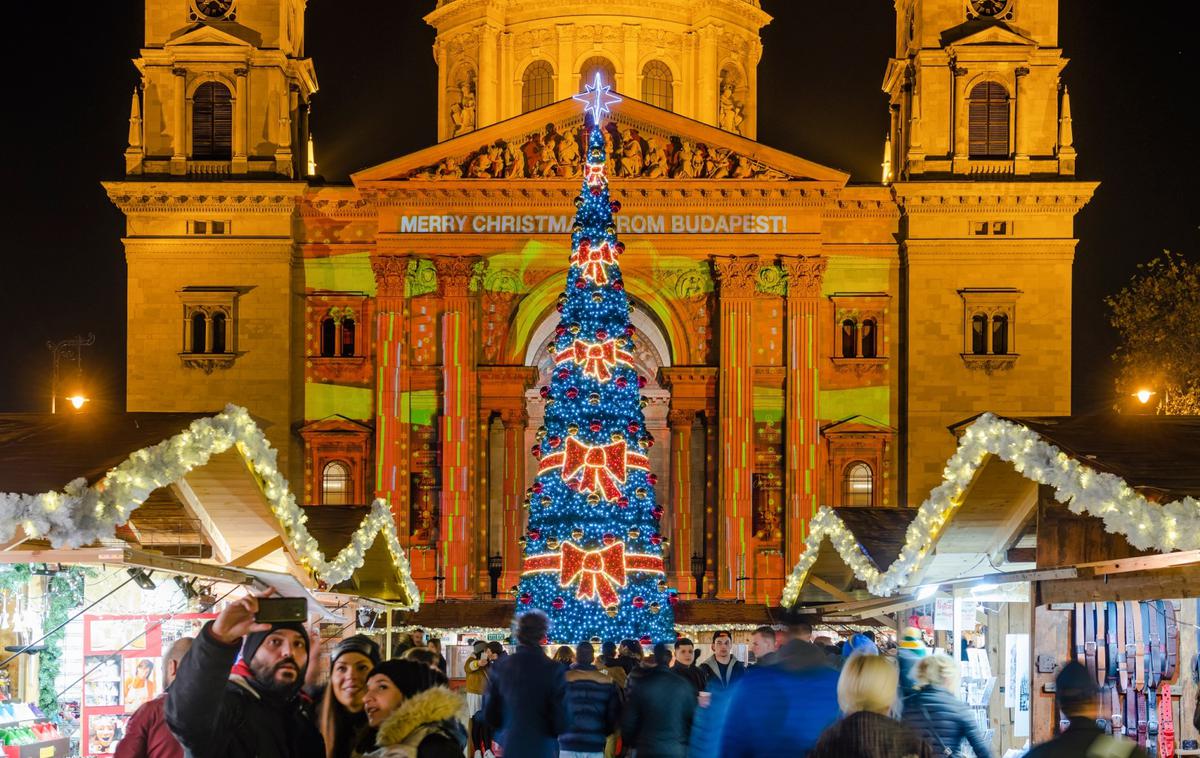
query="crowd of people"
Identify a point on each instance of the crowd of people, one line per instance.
(244, 688)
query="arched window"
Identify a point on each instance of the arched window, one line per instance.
(335, 484)
(657, 86)
(869, 339)
(212, 122)
(199, 332)
(1000, 334)
(218, 332)
(329, 340)
(849, 339)
(347, 337)
(537, 86)
(987, 119)
(979, 325)
(858, 484)
(587, 72)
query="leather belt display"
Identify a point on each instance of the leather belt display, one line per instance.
(1122, 658)
(1079, 636)
(1171, 639)
(1166, 720)
(1089, 638)
(1139, 655)
(1150, 629)
(1131, 714)
(1110, 640)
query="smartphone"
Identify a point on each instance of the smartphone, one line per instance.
(274, 610)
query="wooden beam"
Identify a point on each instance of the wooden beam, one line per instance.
(127, 556)
(840, 594)
(1143, 563)
(246, 559)
(208, 527)
(18, 536)
(1178, 581)
(181, 550)
(1021, 555)
(1010, 531)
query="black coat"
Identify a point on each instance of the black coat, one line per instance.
(693, 674)
(213, 713)
(658, 714)
(525, 702)
(1078, 739)
(593, 706)
(944, 721)
(870, 735)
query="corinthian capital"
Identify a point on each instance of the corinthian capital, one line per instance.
(804, 274)
(390, 271)
(454, 274)
(737, 275)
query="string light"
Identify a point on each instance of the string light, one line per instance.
(593, 551)
(1145, 525)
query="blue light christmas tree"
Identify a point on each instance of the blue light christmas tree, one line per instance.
(593, 550)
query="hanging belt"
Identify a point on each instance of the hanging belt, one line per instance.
(1139, 646)
(1171, 639)
(1122, 657)
(1079, 635)
(1089, 638)
(1158, 623)
(1131, 714)
(1114, 707)
(1166, 720)
(1110, 640)
(1150, 626)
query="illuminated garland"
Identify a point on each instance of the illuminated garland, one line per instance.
(1146, 525)
(81, 515)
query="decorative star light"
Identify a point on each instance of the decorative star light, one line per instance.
(596, 98)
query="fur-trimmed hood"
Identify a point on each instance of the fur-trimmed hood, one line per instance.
(426, 708)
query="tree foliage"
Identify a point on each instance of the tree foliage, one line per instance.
(1158, 317)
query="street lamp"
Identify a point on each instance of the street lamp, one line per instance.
(1143, 395)
(63, 351)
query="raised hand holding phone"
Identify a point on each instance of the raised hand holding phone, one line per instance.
(237, 619)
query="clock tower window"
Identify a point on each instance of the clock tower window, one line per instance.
(988, 121)
(212, 122)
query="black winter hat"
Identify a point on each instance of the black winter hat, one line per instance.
(255, 639)
(410, 677)
(359, 643)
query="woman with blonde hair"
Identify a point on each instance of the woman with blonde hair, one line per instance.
(866, 693)
(934, 712)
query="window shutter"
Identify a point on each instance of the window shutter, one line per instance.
(987, 121)
(212, 122)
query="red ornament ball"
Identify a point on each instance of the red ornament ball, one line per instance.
(629, 330)
(537, 487)
(608, 538)
(622, 502)
(535, 534)
(536, 451)
(655, 539)
(639, 602)
(652, 478)
(620, 247)
(595, 190)
(601, 334)
(622, 382)
(558, 603)
(657, 512)
(645, 640)
(615, 206)
(641, 382)
(673, 598)
(618, 286)
(595, 426)
(572, 393)
(544, 391)
(526, 598)
(563, 373)
(555, 441)
(580, 284)
(559, 307)
(560, 330)
(634, 427)
(573, 485)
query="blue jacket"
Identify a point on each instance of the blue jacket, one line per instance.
(944, 721)
(525, 702)
(593, 706)
(783, 708)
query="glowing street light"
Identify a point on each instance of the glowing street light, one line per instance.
(77, 401)
(1144, 395)
(68, 351)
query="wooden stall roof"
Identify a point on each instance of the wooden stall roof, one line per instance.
(880, 532)
(43, 452)
(333, 526)
(1150, 452)
(452, 614)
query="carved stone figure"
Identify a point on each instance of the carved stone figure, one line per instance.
(730, 113)
(481, 166)
(631, 155)
(683, 164)
(448, 169)
(656, 159)
(462, 113)
(568, 155)
(547, 163)
(514, 161)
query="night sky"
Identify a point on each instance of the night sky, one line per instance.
(1130, 78)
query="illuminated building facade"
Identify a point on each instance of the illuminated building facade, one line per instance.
(805, 341)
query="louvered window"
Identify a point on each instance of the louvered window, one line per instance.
(212, 122)
(988, 121)
(537, 86)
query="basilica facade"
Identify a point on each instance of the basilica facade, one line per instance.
(804, 341)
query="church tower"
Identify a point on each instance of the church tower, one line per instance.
(981, 149)
(501, 58)
(217, 143)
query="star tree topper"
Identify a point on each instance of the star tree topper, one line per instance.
(596, 99)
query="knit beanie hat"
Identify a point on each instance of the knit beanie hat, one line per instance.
(359, 643)
(410, 677)
(255, 639)
(913, 640)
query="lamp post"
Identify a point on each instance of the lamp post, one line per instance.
(68, 351)
(698, 563)
(495, 571)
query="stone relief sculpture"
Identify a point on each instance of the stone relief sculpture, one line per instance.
(554, 154)
(462, 113)
(729, 116)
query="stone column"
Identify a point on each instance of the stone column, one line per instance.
(804, 277)
(685, 103)
(1021, 164)
(507, 109)
(486, 93)
(682, 539)
(706, 77)
(393, 398)
(283, 145)
(632, 74)
(179, 139)
(750, 112)
(459, 433)
(445, 128)
(240, 123)
(515, 421)
(567, 76)
(737, 276)
(959, 119)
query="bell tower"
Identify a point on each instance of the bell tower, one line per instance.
(501, 58)
(975, 91)
(224, 91)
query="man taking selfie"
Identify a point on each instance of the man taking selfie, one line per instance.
(253, 710)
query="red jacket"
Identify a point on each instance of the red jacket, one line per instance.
(147, 734)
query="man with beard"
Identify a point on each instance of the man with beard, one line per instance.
(253, 711)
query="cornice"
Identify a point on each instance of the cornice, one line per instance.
(486, 194)
(1015, 197)
(156, 197)
(230, 250)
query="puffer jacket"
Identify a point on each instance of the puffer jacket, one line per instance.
(658, 717)
(944, 721)
(593, 706)
(425, 725)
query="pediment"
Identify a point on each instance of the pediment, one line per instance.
(985, 33)
(335, 423)
(856, 425)
(647, 143)
(204, 34)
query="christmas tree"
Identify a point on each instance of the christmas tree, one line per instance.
(593, 551)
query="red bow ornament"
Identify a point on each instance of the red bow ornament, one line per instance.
(600, 572)
(597, 358)
(593, 260)
(597, 468)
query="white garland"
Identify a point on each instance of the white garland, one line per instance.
(1146, 525)
(81, 515)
